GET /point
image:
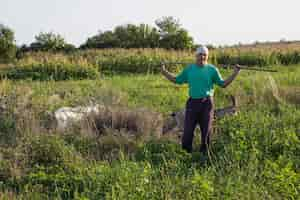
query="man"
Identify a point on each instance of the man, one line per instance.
(201, 78)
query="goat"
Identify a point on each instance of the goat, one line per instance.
(140, 121)
(67, 116)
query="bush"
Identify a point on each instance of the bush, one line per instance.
(7, 44)
(49, 151)
(55, 185)
(281, 178)
(50, 42)
(252, 135)
(49, 166)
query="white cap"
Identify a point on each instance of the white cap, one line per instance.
(202, 50)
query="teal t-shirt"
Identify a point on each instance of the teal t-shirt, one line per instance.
(200, 79)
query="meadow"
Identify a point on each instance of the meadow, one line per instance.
(254, 155)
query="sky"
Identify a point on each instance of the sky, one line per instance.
(217, 22)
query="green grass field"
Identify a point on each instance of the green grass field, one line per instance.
(255, 154)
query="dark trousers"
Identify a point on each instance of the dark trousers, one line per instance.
(198, 111)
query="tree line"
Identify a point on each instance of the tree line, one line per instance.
(168, 33)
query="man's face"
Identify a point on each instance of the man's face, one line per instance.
(201, 59)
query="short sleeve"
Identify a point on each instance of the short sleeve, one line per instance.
(217, 78)
(182, 77)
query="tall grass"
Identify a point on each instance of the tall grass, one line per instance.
(56, 69)
(143, 61)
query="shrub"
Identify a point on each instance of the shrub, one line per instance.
(7, 44)
(281, 178)
(49, 42)
(49, 151)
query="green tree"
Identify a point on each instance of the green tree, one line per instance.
(7, 44)
(146, 36)
(169, 35)
(172, 35)
(48, 42)
(180, 40)
(105, 39)
(125, 36)
(168, 25)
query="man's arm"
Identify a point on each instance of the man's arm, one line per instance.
(167, 74)
(233, 76)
